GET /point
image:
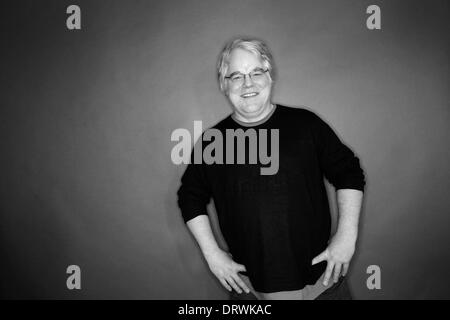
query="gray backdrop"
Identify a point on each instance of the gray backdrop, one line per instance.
(86, 118)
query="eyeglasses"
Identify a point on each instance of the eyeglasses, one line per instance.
(238, 78)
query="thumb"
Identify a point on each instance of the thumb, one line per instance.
(240, 267)
(321, 257)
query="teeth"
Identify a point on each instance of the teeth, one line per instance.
(247, 95)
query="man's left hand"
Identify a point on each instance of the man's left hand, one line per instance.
(338, 255)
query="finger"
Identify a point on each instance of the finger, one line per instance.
(241, 283)
(328, 272)
(321, 257)
(231, 282)
(345, 269)
(225, 284)
(337, 272)
(240, 267)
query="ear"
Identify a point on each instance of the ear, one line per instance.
(270, 77)
(226, 90)
(223, 87)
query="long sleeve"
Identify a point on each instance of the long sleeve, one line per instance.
(194, 193)
(339, 164)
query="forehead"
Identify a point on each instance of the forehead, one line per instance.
(243, 61)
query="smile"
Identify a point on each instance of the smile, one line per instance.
(249, 95)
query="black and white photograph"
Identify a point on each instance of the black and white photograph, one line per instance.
(226, 151)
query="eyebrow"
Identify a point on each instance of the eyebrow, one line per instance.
(237, 72)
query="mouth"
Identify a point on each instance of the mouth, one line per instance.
(249, 95)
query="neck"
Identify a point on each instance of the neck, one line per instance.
(260, 117)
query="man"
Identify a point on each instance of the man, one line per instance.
(277, 227)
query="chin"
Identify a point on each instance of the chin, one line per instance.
(252, 109)
(252, 105)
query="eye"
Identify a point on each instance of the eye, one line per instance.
(237, 77)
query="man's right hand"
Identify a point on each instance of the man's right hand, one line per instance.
(219, 261)
(226, 270)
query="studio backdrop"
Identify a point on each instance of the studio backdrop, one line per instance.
(88, 106)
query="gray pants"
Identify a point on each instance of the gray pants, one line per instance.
(338, 291)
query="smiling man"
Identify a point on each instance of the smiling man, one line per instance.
(277, 227)
(249, 86)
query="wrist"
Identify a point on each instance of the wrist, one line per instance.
(349, 234)
(210, 251)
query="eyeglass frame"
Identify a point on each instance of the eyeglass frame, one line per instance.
(245, 75)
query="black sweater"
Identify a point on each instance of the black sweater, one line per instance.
(276, 224)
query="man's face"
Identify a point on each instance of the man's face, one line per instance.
(250, 96)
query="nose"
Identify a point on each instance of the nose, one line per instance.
(248, 82)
